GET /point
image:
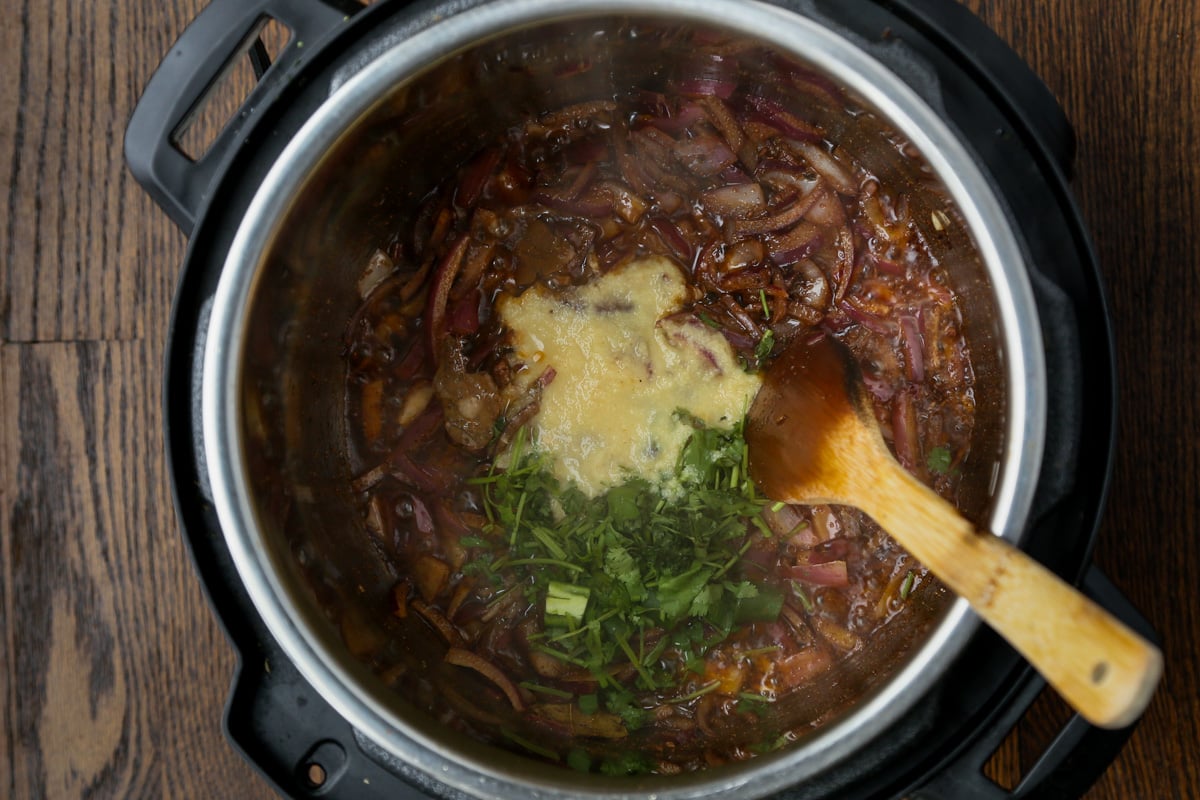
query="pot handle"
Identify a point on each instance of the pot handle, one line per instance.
(200, 57)
(269, 716)
(1074, 760)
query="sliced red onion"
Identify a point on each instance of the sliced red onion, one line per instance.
(683, 119)
(413, 362)
(810, 285)
(464, 315)
(835, 549)
(786, 218)
(796, 245)
(749, 279)
(740, 200)
(479, 255)
(475, 178)
(744, 255)
(632, 171)
(783, 120)
(844, 269)
(627, 205)
(439, 293)
(462, 657)
(806, 79)
(734, 175)
(699, 87)
(582, 180)
(420, 514)
(782, 175)
(704, 155)
(571, 116)
(741, 315)
(826, 209)
(904, 431)
(887, 266)
(826, 166)
(420, 429)
(419, 476)
(832, 573)
(708, 74)
(669, 232)
(589, 206)
(654, 145)
(867, 320)
(723, 120)
(914, 348)
(738, 340)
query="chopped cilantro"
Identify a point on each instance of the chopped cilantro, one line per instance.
(579, 760)
(753, 703)
(474, 541)
(938, 460)
(628, 763)
(770, 745)
(589, 703)
(763, 350)
(607, 570)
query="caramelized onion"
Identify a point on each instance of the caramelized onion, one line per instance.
(461, 657)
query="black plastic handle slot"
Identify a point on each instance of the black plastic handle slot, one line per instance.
(954, 28)
(223, 32)
(1079, 753)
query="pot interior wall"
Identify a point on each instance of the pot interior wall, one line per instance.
(368, 187)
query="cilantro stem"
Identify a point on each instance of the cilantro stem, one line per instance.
(530, 746)
(728, 565)
(548, 542)
(560, 655)
(623, 643)
(804, 600)
(552, 562)
(562, 637)
(762, 525)
(550, 690)
(703, 690)
(512, 538)
(758, 651)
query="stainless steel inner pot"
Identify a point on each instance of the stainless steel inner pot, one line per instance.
(273, 402)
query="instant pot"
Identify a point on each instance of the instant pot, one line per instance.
(279, 212)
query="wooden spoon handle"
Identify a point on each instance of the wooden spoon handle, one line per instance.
(1096, 663)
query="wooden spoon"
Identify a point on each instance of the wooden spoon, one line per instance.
(813, 439)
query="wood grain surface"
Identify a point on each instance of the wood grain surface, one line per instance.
(112, 671)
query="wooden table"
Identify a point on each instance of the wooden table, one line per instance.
(112, 670)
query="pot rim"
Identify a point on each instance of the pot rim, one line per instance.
(790, 32)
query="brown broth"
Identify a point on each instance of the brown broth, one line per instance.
(780, 233)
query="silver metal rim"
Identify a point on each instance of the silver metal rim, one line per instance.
(865, 76)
